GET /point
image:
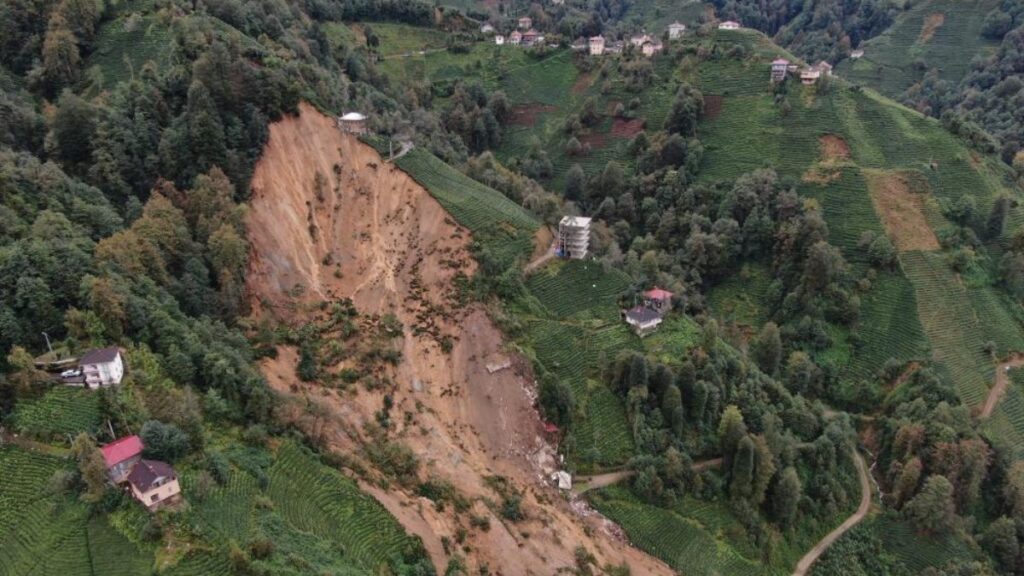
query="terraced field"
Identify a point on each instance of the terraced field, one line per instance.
(683, 543)
(61, 412)
(316, 499)
(888, 62)
(956, 334)
(125, 44)
(888, 326)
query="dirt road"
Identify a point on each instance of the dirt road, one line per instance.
(583, 484)
(1002, 381)
(805, 563)
(540, 261)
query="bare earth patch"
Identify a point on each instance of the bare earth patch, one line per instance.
(901, 210)
(526, 114)
(623, 128)
(713, 105)
(932, 23)
(583, 81)
(834, 148)
(596, 140)
(834, 151)
(365, 230)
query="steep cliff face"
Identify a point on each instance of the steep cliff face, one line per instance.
(329, 219)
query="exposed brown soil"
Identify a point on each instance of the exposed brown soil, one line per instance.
(596, 140)
(1002, 380)
(834, 148)
(622, 128)
(583, 81)
(909, 371)
(932, 23)
(713, 105)
(901, 210)
(526, 114)
(374, 235)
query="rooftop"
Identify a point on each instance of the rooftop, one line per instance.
(657, 294)
(147, 472)
(642, 315)
(100, 355)
(353, 117)
(121, 449)
(575, 221)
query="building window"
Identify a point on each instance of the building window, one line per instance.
(153, 498)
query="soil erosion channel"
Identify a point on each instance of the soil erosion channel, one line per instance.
(329, 219)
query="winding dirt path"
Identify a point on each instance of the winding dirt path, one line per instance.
(803, 567)
(1002, 381)
(541, 260)
(583, 484)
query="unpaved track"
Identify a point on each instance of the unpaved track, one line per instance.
(583, 484)
(1002, 381)
(543, 259)
(805, 563)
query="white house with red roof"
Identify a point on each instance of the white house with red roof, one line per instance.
(120, 456)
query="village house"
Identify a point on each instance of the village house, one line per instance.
(596, 45)
(573, 237)
(120, 456)
(810, 75)
(530, 37)
(579, 45)
(499, 40)
(729, 25)
(676, 30)
(154, 484)
(658, 300)
(780, 67)
(515, 38)
(825, 68)
(640, 40)
(525, 23)
(651, 48)
(642, 319)
(353, 123)
(100, 367)
(857, 54)
(487, 29)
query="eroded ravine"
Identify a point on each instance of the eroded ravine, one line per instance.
(367, 231)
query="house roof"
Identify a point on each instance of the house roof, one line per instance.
(146, 473)
(122, 449)
(824, 65)
(100, 355)
(353, 117)
(677, 24)
(642, 315)
(657, 294)
(575, 221)
(780, 62)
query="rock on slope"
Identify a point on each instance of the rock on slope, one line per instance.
(329, 219)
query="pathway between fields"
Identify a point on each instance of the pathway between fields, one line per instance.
(541, 260)
(583, 484)
(1002, 381)
(805, 563)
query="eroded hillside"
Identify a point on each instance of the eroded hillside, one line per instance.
(330, 220)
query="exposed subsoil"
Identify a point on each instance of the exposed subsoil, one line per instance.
(932, 23)
(713, 105)
(526, 114)
(901, 210)
(369, 232)
(583, 81)
(596, 140)
(834, 148)
(622, 128)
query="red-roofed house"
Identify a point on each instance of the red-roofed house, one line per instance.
(658, 299)
(154, 483)
(120, 455)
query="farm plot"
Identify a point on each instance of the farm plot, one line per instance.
(316, 499)
(124, 45)
(398, 39)
(229, 509)
(112, 554)
(847, 209)
(474, 205)
(60, 412)
(956, 334)
(682, 543)
(888, 326)
(577, 286)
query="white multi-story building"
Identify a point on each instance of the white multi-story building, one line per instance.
(573, 237)
(102, 367)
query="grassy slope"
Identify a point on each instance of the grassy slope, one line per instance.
(888, 62)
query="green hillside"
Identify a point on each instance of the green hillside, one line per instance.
(940, 34)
